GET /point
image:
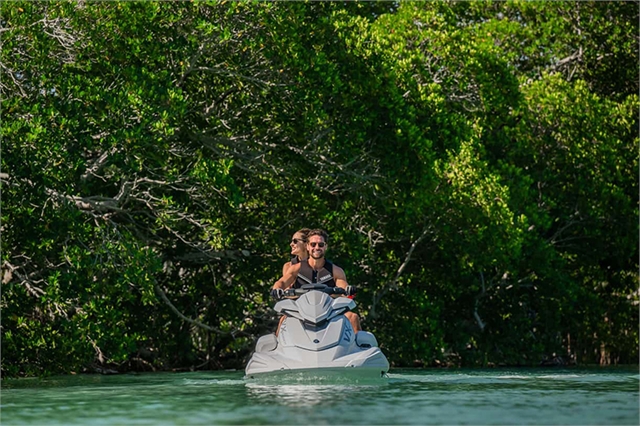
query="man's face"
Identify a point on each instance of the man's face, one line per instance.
(316, 247)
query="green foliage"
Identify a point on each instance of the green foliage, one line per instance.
(475, 164)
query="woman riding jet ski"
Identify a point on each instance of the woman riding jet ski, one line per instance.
(317, 337)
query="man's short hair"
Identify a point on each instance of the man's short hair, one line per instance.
(320, 232)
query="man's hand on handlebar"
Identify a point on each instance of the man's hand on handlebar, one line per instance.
(277, 293)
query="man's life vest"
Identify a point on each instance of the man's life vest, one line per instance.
(307, 275)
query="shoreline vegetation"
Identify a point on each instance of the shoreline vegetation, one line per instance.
(474, 163)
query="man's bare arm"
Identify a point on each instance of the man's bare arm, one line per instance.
(339, 277)
(288, 278)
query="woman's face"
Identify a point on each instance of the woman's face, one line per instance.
(298, 245)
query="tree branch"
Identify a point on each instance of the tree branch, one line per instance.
(197, 323)
(394, 283)
(481, 323)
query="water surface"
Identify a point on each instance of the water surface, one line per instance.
(421, 397)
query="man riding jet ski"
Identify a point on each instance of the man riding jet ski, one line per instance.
(316, 331)
(315, 269)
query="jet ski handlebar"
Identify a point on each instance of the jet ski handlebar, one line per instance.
(290, 292)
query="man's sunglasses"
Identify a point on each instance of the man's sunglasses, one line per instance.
(296, 241)
(318, 244)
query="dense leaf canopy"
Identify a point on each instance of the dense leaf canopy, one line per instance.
(475, 164)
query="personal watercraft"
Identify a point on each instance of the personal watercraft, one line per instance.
(317, 338)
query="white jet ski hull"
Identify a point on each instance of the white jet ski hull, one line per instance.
(369, 362)
(317, 339)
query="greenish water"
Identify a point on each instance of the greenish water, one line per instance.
(474, 397)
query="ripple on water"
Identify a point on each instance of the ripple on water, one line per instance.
(514, 396)
(223, 382)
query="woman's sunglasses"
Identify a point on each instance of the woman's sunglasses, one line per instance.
(296, 241)
(318, 244)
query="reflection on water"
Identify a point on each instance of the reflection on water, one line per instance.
(308, 389)
(516, 396)
(291, 395)
(306, 395)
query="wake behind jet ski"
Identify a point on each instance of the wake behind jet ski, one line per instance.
(317, 338)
